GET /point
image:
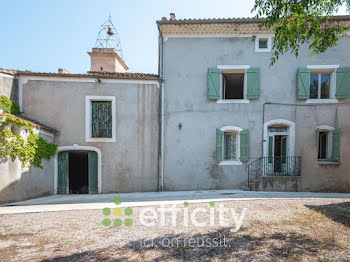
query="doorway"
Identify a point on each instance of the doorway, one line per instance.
(77, 172)
(280, 153)
(278, 148)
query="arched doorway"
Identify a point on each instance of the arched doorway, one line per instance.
(279, 146)
(77, 170)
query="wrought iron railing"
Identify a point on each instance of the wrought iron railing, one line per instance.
(274, 166)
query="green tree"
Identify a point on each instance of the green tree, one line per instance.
(298, 22)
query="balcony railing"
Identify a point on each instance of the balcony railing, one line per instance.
(274, 166)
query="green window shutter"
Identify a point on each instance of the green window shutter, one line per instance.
(63, 170)
(101, 119)
(270, 158)
(219, 135)
(343, 83)
(336, 144)
(92, 172)
(244, 145)
(253, 83)
(214, 76)
(317, 140)
(303, 89)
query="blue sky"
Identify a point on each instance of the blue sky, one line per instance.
(44, 35)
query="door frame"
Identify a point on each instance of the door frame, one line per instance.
(291, 135)
(78, 148)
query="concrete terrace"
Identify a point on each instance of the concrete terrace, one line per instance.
(100, 201)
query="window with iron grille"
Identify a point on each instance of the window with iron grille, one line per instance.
(101, 119)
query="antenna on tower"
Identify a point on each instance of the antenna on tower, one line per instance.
(108, 37)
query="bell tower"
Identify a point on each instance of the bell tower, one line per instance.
(107, 55)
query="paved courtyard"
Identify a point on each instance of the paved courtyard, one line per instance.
(275, 227)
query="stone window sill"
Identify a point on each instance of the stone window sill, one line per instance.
(232, 101)
(230, 163)
(322, 101)
(328, 162)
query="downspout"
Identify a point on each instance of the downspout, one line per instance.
(160, 111)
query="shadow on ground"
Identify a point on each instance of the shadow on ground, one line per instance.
(337, 212)
(230, 246)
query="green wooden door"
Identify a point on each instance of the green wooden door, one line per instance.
(63, 170)
(92, 164)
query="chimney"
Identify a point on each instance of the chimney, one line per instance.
(106, 60)
(63, 71)
(172, 16)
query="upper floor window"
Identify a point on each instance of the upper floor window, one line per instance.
(100, 119)
(233, 84)
(320, 84)
(263, 43)
(323, 83)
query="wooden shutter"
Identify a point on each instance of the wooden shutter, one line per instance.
(244, 145)
(62, 174)
(92, 172)
(317, 140)
(303, 89)
(336, 144)
(101, 119)
(343, 83)
(253, 83)
(219, 135)
(270, 157)
(214, 76)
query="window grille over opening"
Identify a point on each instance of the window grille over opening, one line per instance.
(101, 119)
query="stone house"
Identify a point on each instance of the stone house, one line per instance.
(217, 117)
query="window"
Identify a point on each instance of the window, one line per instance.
(263, 43)
(230, 146)
(233, 83)
(233, 86)
(323, 145)
(328, 144)
(100, 119)
(320, 86)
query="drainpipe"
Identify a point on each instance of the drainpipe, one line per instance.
(160, 111)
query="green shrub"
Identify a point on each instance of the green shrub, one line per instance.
(9, 106)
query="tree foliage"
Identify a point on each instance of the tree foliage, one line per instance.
(298, 22)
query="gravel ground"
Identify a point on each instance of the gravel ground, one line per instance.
(272, 230)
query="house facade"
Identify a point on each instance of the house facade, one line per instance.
(106, 131)
(232, 121)
(217, 116)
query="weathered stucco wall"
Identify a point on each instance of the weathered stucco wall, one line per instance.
(19, 183)
(189, 160)
(9, 86)
(129, 164)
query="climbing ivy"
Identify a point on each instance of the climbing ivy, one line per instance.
(30, 150)
(10, 107)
